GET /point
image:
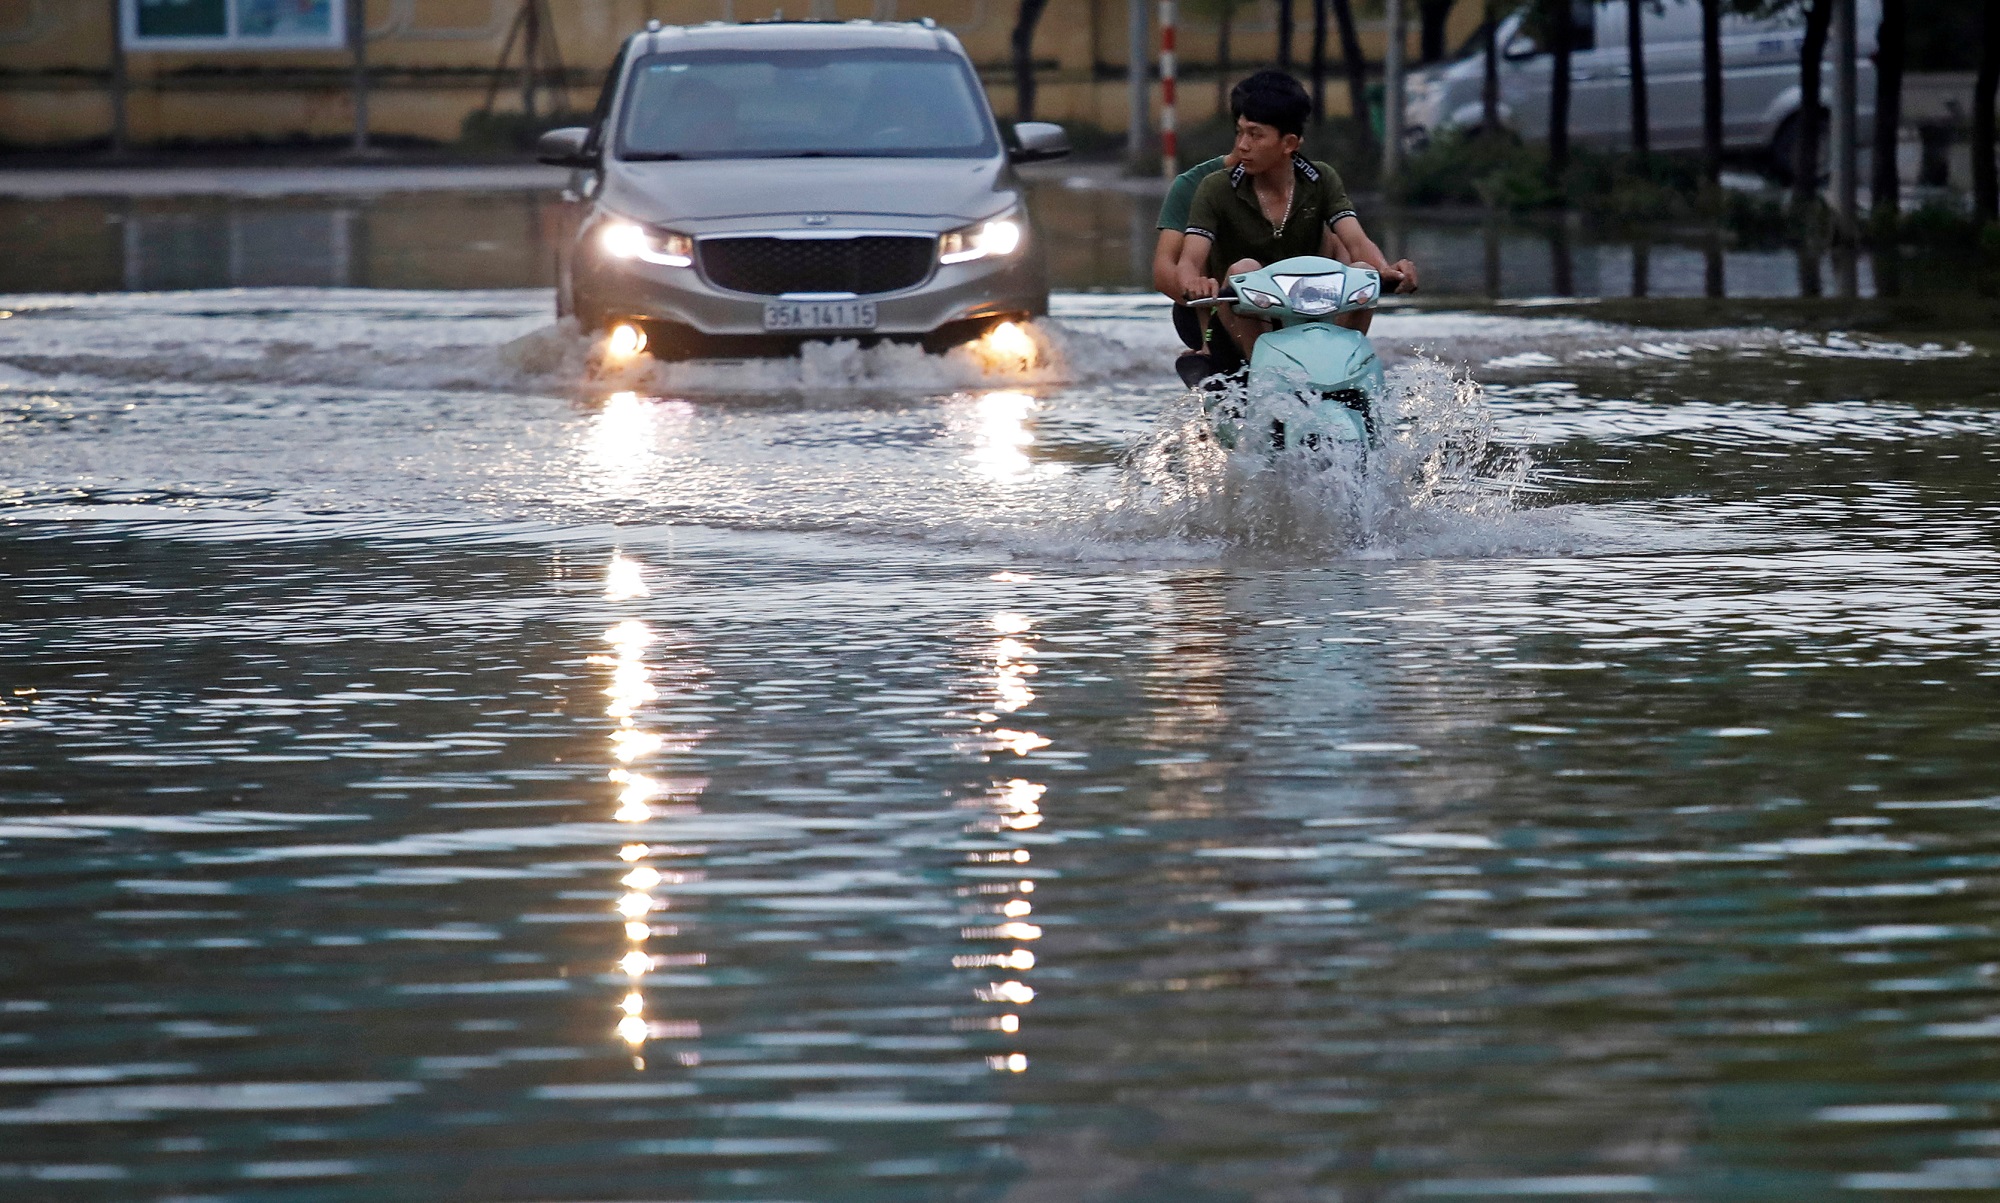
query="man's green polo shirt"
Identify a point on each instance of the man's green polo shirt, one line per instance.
(1227, 214)
(1180, 195)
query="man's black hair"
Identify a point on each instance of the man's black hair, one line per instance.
(1272, 98)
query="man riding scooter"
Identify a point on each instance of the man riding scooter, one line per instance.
(1274, 204)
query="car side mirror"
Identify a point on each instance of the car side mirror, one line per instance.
(1520, 47)
(1035, 141)
(564, 147)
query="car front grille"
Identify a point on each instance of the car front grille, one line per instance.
(772, 266)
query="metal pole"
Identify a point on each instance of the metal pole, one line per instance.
(120, 86)
(357, 35)
(1170, 146)
(1392, 97)
(1135, 84)
(1845, 50)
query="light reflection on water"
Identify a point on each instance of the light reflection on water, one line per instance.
(1096, 237)
(433, 790)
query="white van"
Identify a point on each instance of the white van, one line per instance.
(1760, 80)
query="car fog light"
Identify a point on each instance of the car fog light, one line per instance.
(997, 239)
(626, 341)
(629, 240)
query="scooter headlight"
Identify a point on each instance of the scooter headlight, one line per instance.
(1313, 295)
(997, 238)
(623, 239)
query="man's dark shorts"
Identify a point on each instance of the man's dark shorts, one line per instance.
(1187, 324)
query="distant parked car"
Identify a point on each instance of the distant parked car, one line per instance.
(1760, 80)
(745, 188)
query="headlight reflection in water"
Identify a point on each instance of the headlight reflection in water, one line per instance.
(1009, 808)
(1001, 435)
(623, 452)
(632, 688)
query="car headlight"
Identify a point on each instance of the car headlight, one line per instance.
(997, 238)
(623, 239)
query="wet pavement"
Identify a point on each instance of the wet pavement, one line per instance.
(441, 765)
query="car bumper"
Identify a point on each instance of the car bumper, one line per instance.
(953, 295)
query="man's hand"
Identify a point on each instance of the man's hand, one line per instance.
(1404, 273)
(1196, 287)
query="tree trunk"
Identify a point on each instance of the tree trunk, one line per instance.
(1711, 92)
(1805, 148)
(1285, 35)
(1489, 84)
(1890, 37)
(1985, 180)
(1222, 57)
(1319, 60)
(1635, 50)
(1025, 18)
(1562, 33)
(1357, 69)
(1434, 14)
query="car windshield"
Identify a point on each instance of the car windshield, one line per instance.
(772, 104)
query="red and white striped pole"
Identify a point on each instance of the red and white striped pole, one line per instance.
(1170, 142)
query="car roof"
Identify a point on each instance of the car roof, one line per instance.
(799, 35)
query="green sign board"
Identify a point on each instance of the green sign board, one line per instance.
(234, 24)
(183, 18)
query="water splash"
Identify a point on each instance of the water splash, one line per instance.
(1438, 481)
(1036, 353)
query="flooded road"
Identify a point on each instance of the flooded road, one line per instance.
(443, 766)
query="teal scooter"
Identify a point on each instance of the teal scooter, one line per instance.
(1310, 383)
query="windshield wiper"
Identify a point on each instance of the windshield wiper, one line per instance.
(653, 156)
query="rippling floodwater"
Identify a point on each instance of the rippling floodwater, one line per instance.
(439, 768)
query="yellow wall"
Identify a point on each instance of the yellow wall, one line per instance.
(430, 61)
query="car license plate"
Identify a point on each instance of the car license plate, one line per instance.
(819, 315)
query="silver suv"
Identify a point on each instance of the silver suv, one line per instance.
(745, 188)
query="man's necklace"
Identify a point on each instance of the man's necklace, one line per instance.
(1278, 226)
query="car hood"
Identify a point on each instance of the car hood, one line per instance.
(919, 191)
(1438, 73)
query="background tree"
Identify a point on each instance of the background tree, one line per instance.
(1433, 16)
(1985, 179)
(1284, 35)
(1891, 43)
(1357, 71)
(1558, 21)
(1025, 19)
(1809, 123)
(1489, 84)
(1711, 94)
(1635, 50)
